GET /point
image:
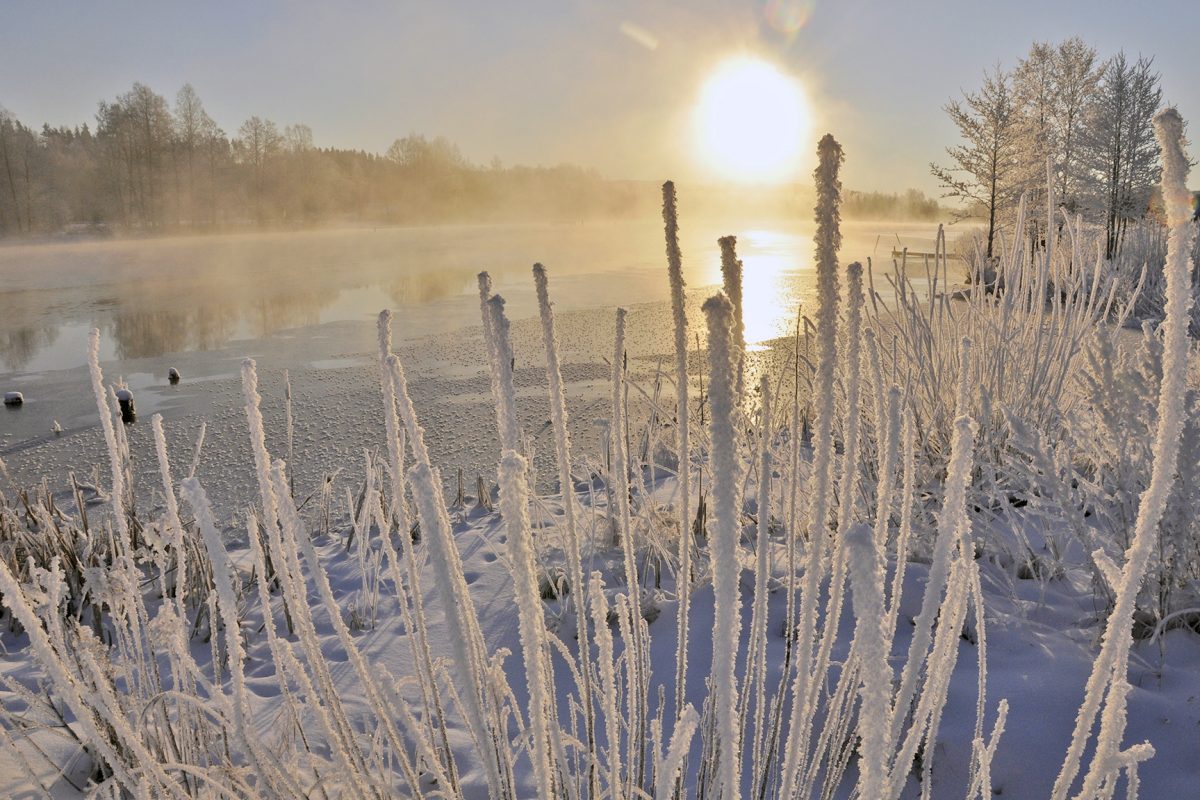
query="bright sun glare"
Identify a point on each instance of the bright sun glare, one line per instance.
(751, 121)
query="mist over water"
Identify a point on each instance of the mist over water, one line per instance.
(306, 303)
(155, 298)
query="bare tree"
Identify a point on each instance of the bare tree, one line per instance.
(11, 134)
(257, 145)
(985, 170)
(193, 130)
(136, 130)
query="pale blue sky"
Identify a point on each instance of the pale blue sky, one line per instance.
(549, 82)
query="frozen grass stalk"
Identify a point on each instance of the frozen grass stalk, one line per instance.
(725, 469)
(174, 526)
(619, 477)
(514, 508)
(608, 683)
(376, 696)
(562, 447)
(502, 384)
(828, 240)
(223, 581)
(756, 680)
(731, 282)
(683, 579)
(866, 582)
(469, 662)
(952, 548)
(110, 437)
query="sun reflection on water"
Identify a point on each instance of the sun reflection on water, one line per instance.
(775, 277)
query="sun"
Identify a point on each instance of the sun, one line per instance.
(751, 122)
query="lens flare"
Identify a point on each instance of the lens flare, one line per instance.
(788, 16)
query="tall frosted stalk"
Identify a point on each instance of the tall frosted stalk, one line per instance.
(828, 240)
(390, 420)
(608, 683)
(953, 556)
(866, 582)
(619, 477)
(262, 471)
(944, 547)
(539, 680)
(731, 282)
(514, 509)
(835, 600)
(502, 376)
(401, 516)
(725, 469)
(376, 696)
(756, 679)
(110, 439)
(562, 446)
(683, 580)
(1108, 674)
(174, 526)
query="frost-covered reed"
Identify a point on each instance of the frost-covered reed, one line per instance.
(724, 462)
(828, 240)
(683, 581)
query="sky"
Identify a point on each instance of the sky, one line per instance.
(610, 85)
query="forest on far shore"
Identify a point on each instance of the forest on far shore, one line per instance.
(148, 166)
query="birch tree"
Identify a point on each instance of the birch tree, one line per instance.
(1119, 152)
(985, 169)
(1075, 77)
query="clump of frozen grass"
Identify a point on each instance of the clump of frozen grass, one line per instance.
(1107, 684)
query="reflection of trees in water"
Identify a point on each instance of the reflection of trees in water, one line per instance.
(173, 324)
(171, 328)
(18, 346)
(24, 333)
(288, 307)
(416, 288)
(175, 295)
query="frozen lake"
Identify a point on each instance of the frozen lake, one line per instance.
(307, 303)
(155, 298)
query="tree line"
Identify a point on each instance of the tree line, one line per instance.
(1061, 119)
(147, 164)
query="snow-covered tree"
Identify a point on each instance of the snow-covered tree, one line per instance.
(985, 169)
(1034, 90)
(1118, 148)
(1075, 77)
